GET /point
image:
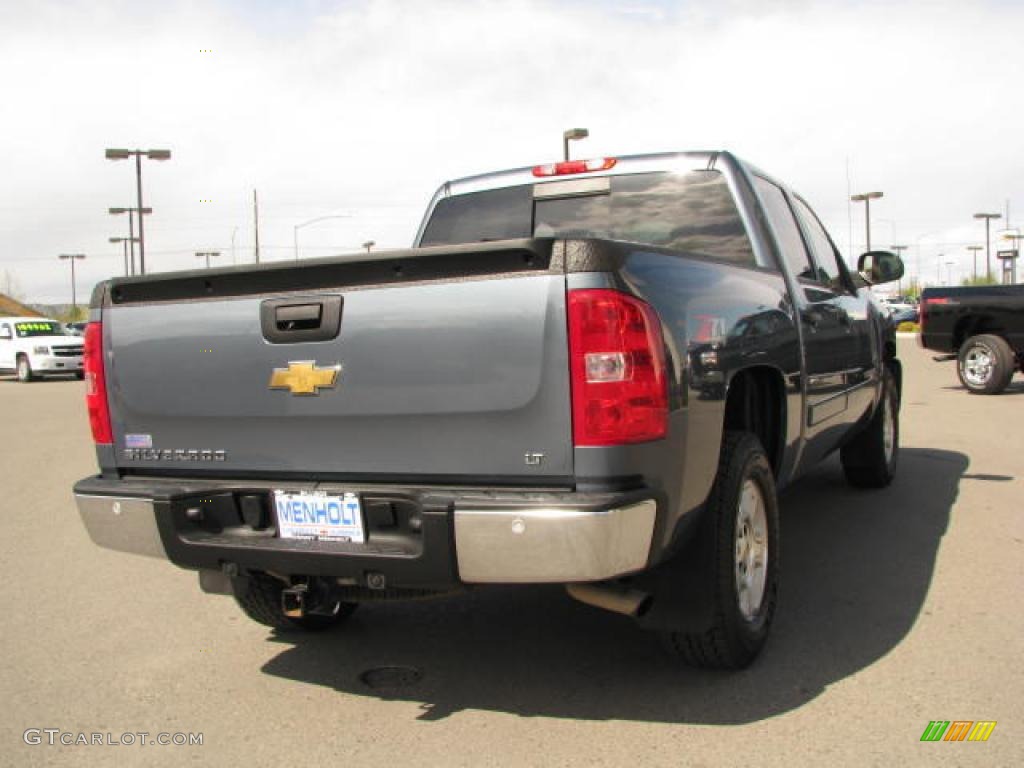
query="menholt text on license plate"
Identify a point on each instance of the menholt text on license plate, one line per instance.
(319, 516)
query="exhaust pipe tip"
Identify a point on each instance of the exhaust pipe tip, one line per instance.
(629, 602)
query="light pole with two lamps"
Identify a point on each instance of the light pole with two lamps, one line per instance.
(152, 154)
(988, 240)
(866, 198)
(127, 241)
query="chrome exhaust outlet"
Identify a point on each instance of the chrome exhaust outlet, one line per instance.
(630, 602)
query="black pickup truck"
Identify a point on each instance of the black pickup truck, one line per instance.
(591, 373)
(982, 327)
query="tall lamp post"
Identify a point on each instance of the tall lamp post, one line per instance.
(127, 241)
(949, 272)
(297, 227)
(132, 239)
(573, 134)
(974, 252)
(72, 257)
(207, 255)
(988, 239)
(368, 245)
(866, 198)
(152, 154)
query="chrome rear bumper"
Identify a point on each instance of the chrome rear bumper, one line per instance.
(122, 523)
(510, 543)
(552, 545)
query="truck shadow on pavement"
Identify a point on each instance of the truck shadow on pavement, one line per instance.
(856, 570)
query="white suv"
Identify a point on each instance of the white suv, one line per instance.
(38, 346)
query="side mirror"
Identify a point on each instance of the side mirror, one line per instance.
(878, 267)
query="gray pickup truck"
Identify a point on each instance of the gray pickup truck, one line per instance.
(591, 373)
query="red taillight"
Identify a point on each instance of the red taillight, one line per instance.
(96, 384)
(575, 166)
(617, 366)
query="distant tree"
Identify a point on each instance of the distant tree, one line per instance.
(913, 288)
(11, 286)
(980, 280)
(73, 315)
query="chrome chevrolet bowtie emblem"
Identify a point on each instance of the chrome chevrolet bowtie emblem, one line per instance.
(305, 377)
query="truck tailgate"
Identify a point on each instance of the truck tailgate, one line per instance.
(449, 365)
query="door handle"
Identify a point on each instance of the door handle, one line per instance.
(298, 317)
(301, 318)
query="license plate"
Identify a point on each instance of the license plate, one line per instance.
(319, 517)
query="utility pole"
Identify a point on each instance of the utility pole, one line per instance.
(256, 223)
(72, 257)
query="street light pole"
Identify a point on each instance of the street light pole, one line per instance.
(207, 255)
(297, 227)
(974, 252)
(368, 245)
(152, 154)
(949, 272)
(866, 198)
(127, 241)
(72, 257)
(132, 239)
(988, 240)
(573, 134)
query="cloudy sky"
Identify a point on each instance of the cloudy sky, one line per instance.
(362, 108)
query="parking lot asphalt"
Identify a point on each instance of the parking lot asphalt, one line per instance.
(897, 607)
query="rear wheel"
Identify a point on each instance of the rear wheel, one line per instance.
(24, 369)
(869, 460)
(741, 530)
(259, 596)
(985, 364)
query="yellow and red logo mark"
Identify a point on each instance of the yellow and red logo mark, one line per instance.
(958, 730)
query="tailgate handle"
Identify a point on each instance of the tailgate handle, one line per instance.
(301, 318)
(298, 317)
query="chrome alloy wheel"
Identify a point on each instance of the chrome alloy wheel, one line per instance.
(751, 549)
(888, 429)
(977, 365)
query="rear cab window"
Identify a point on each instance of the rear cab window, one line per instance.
(691, 213)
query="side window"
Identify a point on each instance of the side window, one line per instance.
(5, 330)
(786, 230)
(824, 252)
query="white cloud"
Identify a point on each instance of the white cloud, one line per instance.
(364, 107)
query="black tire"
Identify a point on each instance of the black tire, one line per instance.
(867, 460)
(737, 634)
(259, 596)
(985, 364)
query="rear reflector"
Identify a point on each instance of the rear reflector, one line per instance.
(575, 166)
(96, 385)
(617, 366)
